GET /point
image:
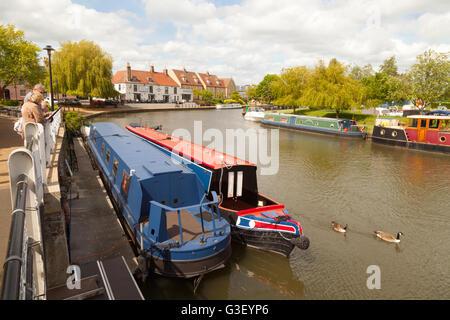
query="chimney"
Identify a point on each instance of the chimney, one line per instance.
(128, 72)
(184, 69)
(152, 69)
(165, 71)
(207, 72)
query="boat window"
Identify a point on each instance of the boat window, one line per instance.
(412, 123)
(445, 126)
(423, 123)
(95, 137)
(434, 124)
(103, 149)
(115, 166)
(108, 154)
(230, 184)
(125, 183)
(239, 181)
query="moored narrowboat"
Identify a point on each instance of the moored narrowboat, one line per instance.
(333, 126)
(422, 132)
(256, 220)
(176, 231)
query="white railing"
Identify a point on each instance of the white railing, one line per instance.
(28, 166)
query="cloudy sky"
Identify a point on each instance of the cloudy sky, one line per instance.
(242, 39)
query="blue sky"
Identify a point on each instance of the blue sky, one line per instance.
(244, 39)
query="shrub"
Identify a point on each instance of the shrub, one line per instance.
(73, 120)
(10, 103)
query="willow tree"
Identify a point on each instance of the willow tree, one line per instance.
(331, 87)
(430, 76)
(289, 86)
(19, 61)
(83, 69)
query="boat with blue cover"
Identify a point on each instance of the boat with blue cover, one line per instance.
(163, 205)
(256, 220)
(333, 126)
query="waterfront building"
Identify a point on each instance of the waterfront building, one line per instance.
(149, 86)
(188, 81)
(230, 86)
(212, 83)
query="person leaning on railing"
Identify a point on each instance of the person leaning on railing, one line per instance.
(32, 111)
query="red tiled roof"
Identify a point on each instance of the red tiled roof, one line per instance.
(187, 78)
(214, 81)
(158, 78)
(226, 81)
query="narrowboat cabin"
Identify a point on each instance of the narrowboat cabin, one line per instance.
(338, 127)
(176, 231)
(256, 220)
(422, 132)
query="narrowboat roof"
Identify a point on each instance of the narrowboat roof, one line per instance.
(429, 117)
(309, 117)
(209, 157)
(150, 161)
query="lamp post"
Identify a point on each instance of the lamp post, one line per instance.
(49, 52)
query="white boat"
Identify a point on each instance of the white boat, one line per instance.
(254, 114)
(229, 106)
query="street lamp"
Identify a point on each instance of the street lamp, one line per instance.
(49, 52)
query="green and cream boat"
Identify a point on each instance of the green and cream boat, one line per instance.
(334, 126)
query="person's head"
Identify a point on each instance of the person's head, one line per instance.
(36, 97)
(44, 106)
(39, 88)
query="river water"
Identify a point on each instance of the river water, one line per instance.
(319, 179)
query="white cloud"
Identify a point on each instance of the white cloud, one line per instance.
(244, 41)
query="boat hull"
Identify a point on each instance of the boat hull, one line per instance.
(397, 137)
(188, 268)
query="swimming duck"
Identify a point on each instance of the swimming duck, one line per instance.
(388, 237)
(338, 227)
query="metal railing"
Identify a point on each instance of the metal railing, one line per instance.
(24, 270)
(166, 209)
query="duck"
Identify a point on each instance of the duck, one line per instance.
(338, 227)
(388, 237)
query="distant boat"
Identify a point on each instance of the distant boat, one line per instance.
(424, 132)
(162, 205)
(229, 106)
(254, 114)
(333, 126)
(256, 220)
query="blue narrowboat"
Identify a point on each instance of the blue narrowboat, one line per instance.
(176, 230)
(256, 220)
(332, 126)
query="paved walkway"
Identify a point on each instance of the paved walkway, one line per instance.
(9, 141)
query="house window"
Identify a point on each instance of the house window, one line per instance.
(150, 89)
(119, 87)
(184, 79)
(135, 87)
(166, 90)
(175, 90)
(23, 93)
(150, 79)
(209, 82)
(115, 166)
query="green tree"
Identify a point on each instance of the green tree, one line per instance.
(263, 90)
(376, 86)
(83, 69)
(399, 88)
(331, 87)
(430, 76)
(19, 60)
(235, 96)
(389, 67)
(289, 86)
(251, 93)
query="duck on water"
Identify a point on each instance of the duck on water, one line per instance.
(175, 229)
(256, 220)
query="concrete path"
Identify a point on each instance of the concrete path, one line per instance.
(95, 231)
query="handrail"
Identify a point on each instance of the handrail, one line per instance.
(200, 205)
(14, 260)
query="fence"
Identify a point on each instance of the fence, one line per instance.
(24, 269)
